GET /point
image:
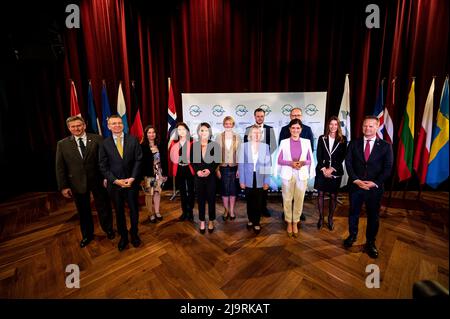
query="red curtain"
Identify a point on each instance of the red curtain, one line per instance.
(228, 46)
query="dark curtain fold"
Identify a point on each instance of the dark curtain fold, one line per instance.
(219, 46)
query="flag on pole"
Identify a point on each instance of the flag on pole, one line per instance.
(106, 112)
(344, 120)
(136, 123)
(379, 110)
(406, 138)
(422, 153)
(388, 124)
(93, 124)
(74, 107)
(171, 122)
(438, 162)
(122, 108)
(172, 111)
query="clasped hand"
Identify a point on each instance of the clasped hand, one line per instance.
(297, 164)
(124, 183)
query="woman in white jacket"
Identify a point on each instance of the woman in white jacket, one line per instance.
(296, 165)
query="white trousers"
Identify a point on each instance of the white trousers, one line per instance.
(293, 190)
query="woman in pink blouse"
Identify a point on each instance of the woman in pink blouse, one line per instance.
(296, 166)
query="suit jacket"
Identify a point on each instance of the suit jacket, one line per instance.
(74, 172)
(263, 165)
(212, 157)
(338, 150)
(115, 167)
(269, 137)
(377, 168)
(306, 133)
(305, 172)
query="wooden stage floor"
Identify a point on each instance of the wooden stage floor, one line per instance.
(39, 237)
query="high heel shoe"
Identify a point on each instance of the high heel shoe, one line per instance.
(295, 234)
(330, 223)
(232, 217)
(202, 230)
(257, 229)
(249, 225)
(225, 215)
(320, 223)
(210, 230)
(290, 234)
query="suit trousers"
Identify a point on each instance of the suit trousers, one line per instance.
(372, 199)
(129, 195)
(205, 187)
(255, 202)
(103, 207)
(185, 183)
(293, 189)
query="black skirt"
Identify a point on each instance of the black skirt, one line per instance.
(228, 181)
(330, 185)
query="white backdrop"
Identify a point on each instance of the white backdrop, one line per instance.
(213, 107)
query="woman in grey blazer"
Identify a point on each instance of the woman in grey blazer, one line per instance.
(254, 175)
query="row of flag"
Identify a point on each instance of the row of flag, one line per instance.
(430, 160)
(93, 123)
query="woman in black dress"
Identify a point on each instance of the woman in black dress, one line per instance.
(331, 151)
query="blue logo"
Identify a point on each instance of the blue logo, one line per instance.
(241, 110)
(311, 109)
(195, 110)
(266, 108)
(286, 109)
(218, 110)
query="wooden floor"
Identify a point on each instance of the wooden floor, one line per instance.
(39, 236)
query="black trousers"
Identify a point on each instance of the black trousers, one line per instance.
(119, 196)
(185, 183)
(372, 199)
(205, 187)
(255, 202)
(103, 207)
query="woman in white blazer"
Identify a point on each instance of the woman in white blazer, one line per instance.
(296, 166)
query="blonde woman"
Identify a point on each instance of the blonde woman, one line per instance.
(228, 172)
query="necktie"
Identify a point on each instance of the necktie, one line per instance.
(367, 150)
(82, 147)
(119, 146)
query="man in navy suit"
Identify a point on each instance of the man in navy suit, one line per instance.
(369, 163)
(120, 162)
(268, 137)
(296, 113)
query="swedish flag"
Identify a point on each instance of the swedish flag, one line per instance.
(438, 164)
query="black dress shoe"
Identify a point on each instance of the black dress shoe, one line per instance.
(190, 216)
(371, 250)
(348, 242)
(123, 243)
(302, 217)
(249, 226)
(111, 235)
(159, 217)
(257, 229)
(135, 240)
(85, 241)
(183, 217)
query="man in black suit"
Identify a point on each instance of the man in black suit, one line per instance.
(369, 163)
(78, 174)
(296, 113)
(268, 137)
(120, 163)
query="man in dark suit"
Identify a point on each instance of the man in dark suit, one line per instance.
(268, 137)
(296, 113)
(369, 163)
(78, 174)
(120, 163)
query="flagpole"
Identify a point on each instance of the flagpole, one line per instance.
(392, 141)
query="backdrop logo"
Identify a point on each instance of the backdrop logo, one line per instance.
(218, 110)
(73, 19)
(311, 109)
(286, 109)
(266, 108)
(241, 110)
(195, 110)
